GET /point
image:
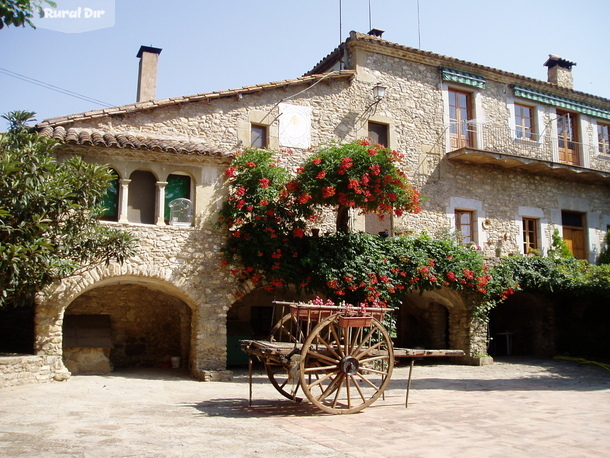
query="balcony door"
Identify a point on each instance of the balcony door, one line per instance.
(460, 112)
(567, 138)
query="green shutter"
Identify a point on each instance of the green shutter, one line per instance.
(110, 201)
(463, 78)
(561, 102)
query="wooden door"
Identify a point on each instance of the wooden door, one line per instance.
(574, 233)
(460, 112)
(567, 138)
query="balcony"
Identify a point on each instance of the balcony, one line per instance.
(540, 155)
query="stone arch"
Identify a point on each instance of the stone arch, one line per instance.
(524, 324)
(252, 316)
(434, 320)
(106, 281)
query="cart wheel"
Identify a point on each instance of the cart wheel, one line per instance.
(284, 375)
(345, 369)
(284, 378)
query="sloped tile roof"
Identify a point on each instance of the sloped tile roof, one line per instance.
(131, 140)
(140, 106)
(378, 44)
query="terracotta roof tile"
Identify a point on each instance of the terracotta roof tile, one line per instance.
(67, 119)
(362, 39)
(131, 140)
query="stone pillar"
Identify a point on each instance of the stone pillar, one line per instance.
(161, 202)
(49, 338)
(211, 345)
(123, 201)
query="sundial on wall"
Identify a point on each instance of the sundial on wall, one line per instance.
(295, 126)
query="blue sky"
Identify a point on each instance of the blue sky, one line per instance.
(213, 45)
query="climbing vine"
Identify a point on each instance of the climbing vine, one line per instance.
(267, 214)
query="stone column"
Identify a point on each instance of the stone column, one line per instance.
(49, 338)
(123, 201)
(161, 202)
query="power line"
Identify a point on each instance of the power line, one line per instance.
(55, 88)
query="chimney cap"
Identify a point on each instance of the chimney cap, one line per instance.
(144, 49)
(554, 60)
(376, 32)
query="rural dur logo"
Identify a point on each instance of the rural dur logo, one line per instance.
(75, 16)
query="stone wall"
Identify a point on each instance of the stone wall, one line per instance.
(28, 369)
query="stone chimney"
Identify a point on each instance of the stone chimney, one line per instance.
(560, 71)
(147, 76)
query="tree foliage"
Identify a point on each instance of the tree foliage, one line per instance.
(49, 214)
(19, 12)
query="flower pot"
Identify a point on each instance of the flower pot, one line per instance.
(355, 321)
(309, 313)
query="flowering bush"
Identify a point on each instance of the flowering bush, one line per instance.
(266, 216)
(355, 175)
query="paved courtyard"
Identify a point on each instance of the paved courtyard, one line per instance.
(516, 407)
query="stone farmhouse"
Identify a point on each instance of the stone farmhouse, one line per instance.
(502, 158)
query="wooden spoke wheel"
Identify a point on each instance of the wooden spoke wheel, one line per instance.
(345, 368)
(284, 378)
(283, 373)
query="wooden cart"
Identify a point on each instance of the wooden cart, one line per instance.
(340, 359)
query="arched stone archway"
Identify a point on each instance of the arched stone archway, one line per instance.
(206, 350)
(525, 324)
(126, 325)
(252, 316)
(439, 319)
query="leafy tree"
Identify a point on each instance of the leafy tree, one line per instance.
(355, 175)
(559, 248)
(19, 12)
(49, 213)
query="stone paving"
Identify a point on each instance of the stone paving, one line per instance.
(515, 407)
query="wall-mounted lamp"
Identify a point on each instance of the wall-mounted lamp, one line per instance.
(379, 92)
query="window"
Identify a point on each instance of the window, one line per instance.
(142, 197)
(574, 233)
(530, 235)
(460, 113)
(378, 133)
(603, 138)
(258, 136)
(524, 122)
(464, 224)
(177, 186)
(567, 138)
(110, 201)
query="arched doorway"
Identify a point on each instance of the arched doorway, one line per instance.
(252, 317)
(422, 324)
(525, 324)
(125, 325)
